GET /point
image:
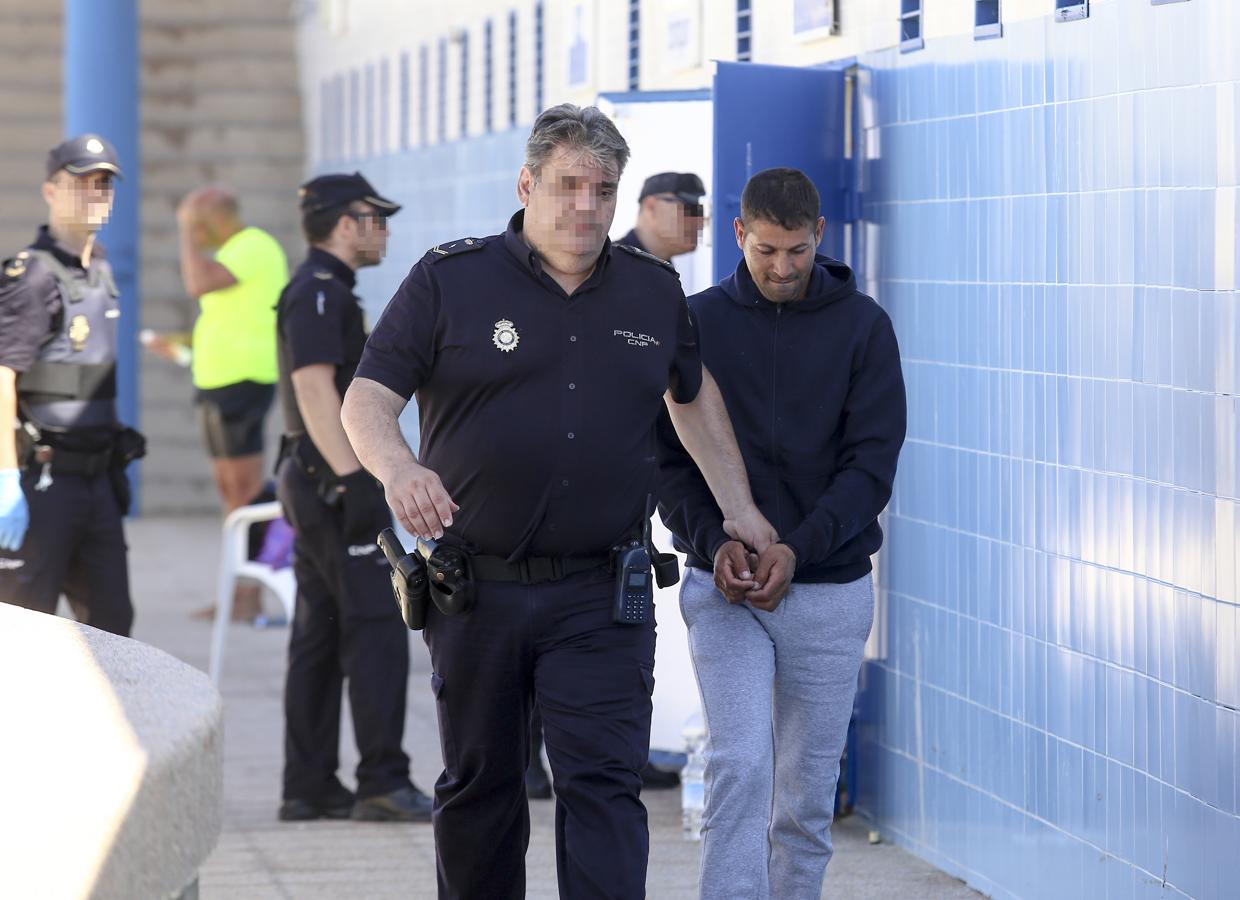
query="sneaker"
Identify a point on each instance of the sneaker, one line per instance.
(656, 779)
(537, 782)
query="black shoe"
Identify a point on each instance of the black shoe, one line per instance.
(337, 804)
(406, 804)
(655, 779)
(537, 782)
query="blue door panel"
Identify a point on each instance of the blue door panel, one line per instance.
(769, 116)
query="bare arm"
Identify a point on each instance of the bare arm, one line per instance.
(371, 419)
(8, 418)
(319, 404)
(706, 432)
(200, 274)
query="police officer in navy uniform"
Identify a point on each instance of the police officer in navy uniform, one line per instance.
(346, 628)
(669, 222)
(541, 358)
(63, 450)
(670, 215)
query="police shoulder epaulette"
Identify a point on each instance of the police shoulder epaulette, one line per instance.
(15, 268)
(649, 257)
(451, 248)
(323, 274)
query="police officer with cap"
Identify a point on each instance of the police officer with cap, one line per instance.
(63, 450)
(346, 628)
(670, 215)
(541, 358)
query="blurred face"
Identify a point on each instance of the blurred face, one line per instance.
(370, 229)
(677, 224)
(569, 204)
(79, 202)
(780, 260)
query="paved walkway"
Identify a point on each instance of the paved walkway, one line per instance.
(173, 563)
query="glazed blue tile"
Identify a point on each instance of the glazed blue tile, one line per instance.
(1078, 224)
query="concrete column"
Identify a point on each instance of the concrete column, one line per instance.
(101, 95)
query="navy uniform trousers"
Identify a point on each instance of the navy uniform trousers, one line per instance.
(346, 626)
(76, 545)
(593, 680)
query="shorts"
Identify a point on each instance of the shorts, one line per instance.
(232, 418)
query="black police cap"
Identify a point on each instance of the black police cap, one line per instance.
(686, 186)
(83, 154)
(339, 189)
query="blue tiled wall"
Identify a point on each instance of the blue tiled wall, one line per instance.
(1053, 220)
(449, 191)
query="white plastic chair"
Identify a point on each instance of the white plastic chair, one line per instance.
(235, 563)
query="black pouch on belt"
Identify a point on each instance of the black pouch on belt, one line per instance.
(451, 577)
(128, 445)
(409, 582)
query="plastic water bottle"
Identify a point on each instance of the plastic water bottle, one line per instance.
(692, 780)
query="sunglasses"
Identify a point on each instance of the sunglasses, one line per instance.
(97, 186)
(692, 210)
(361, 218)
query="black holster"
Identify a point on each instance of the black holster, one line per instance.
(409, 581)
(301, 450)
(451, 577)
(128, 445)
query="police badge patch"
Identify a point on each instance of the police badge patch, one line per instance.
(505, 336)
(79, 331)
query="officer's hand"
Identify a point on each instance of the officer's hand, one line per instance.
(418, 498)
(163, 347)
(774, 576)
(14, 513)
(752, 529)
(734, 567)
(361, 502)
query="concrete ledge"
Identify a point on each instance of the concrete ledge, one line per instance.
(111, 764)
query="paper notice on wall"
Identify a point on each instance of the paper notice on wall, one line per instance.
(681, 36)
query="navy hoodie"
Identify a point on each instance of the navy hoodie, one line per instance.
(816, 398)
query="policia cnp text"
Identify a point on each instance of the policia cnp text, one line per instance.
(63, 451)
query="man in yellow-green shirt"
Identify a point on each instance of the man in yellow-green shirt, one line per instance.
(236, 273)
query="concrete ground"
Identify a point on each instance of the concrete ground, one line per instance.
(172, 568)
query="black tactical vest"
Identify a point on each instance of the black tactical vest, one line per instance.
(72, 384)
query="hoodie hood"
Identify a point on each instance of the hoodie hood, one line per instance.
(830, 281)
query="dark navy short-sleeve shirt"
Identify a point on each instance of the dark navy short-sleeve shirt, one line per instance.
(537, 408)
(319, 321)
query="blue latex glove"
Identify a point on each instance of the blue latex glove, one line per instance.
(14, 514)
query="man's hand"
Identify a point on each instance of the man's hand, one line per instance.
(734, 567)
(361, 503)
(164, 347)
(420, 502)
(187, 212)
(189, 219)
(752, 529)
(776, 567)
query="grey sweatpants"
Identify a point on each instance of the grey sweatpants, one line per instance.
(777, 693)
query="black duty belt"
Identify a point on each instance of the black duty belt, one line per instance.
(535, 569)
(70, 462)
